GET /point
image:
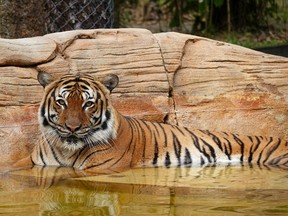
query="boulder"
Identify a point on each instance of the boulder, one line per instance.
(170, 77)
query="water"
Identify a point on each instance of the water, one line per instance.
(227, 190)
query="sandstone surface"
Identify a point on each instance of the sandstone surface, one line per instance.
(170, 77)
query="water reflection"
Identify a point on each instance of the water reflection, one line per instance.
(217, 190)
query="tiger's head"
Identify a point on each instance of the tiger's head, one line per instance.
(75, 111)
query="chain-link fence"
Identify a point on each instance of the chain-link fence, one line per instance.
(27, 18)
(66, 15)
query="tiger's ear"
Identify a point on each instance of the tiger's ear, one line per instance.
(111, 81)
(44, 78)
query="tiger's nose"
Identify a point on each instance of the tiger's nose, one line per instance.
(73, 128)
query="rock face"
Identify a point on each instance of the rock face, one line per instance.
(171, 77)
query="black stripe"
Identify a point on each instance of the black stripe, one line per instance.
(215, 139)
(202, 162)
(33, 163)
(48, 109)
(99, 164)
(102, 108)
(97, 121)
(92, 153)
(271, 150)
(86, 82)
(56, 157)
(143, 136)
(212, 151)
(156, 153)
(108, 115)
(46, 103)
(41, 156)
(151, 137)
(188, 159)
(135, 136)
(132, 133)
(167, 160)
(45, 122)
(225, 133)
(98, 96)
(68, 87)
(194, 138)
(228, 151)
(177, 148)
(68, 81)
(43, 110)
(260, 155)
(79, 153)
(178, 129)
(203, 150)
(104, 125)
(84, 87)
(155, 124)
(54, 153)
(52, 93)
(164, 134)
(253, 148)
(241, 146)
(156, 148)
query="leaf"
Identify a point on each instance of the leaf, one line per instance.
(203, 6)
(218, 3)
(175, 22)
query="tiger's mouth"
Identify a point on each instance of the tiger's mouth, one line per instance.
(85, 137)
(72, 139)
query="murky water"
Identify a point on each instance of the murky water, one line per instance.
(232, 190)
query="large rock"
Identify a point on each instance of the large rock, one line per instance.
(177, 78)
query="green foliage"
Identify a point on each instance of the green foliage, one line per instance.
(177, 9)
(250, 23)
(218, 3)
(218, 14)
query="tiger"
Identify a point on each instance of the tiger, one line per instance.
(81, 129)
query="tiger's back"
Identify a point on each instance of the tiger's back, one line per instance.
(94, 135)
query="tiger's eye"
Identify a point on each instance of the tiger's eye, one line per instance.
(61, 102)
(89, 104)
